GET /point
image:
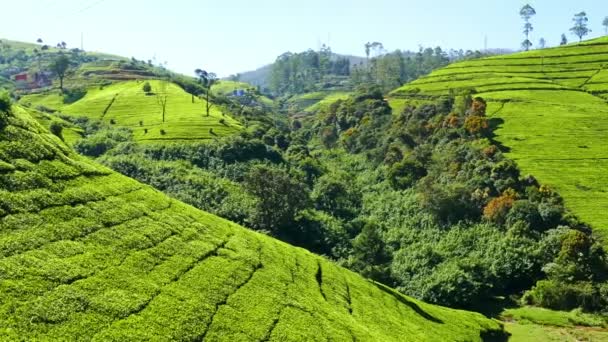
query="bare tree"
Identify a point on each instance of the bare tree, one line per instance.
(161, 97)
(207, 80)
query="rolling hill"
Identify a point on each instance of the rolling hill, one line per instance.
(226, 88)
(88, 254)
(125, 104)
(551, 108)
(311, 102)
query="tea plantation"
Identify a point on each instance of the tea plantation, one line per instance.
(551, 109)
(125, 104)
(87, 254)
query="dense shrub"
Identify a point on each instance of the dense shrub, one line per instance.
(498, 208)
(5, 106)
(147, 88)
(57, 129)
(566, 296)
(72, 95)
(476, 125)
(5, 101)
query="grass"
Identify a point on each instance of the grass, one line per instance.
(125, 104)
(88, 254)
(551, 110)
(312, 102)
(537, 324)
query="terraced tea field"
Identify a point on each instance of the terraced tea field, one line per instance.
(551, 107)
(311, 102)
(88, 254)
(125, 104)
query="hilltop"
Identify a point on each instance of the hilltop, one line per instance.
(551, 112)
(125, 104)
(89, 254)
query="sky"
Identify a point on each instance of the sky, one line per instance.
(230, 36)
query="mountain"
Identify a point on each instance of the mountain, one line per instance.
(88, 254)
(550, 107)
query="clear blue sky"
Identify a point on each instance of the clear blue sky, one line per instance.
(228, 36)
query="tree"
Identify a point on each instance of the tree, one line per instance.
(39, 40)
(580, 28)
(60, 67)
(542, 43)
(280, 198)
(207, 80)
(526, 13)
(564, 40)
(147, 88)
(368, 48)
(605, 23)
(161, 97)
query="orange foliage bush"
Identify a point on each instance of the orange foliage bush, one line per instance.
(475, 124)
(478, 107)
(496, 210)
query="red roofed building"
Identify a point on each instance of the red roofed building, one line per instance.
(21, 77)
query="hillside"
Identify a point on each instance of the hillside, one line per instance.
(125, 104)
(89, 254)
(226, 88)
(551, 109)
(312, 102)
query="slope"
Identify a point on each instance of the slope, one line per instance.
(552, 111)
(125, 104)
(87, 254)
(227, 87)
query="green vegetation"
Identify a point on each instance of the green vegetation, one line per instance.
(125, 104)
(536, 324)
(549, 107)
(332, 184)
(326, 72)
(90, 254)
(315, 101)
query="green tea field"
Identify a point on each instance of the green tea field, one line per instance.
(88, 254)
(125, 104)
(551, 108)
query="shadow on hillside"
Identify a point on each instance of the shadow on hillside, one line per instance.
(495, 123)
(494, 336)
(412, 305)
(494, 307)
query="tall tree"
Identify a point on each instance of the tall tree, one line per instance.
(207, 80)
(564, 40)
(605, 23)
(526, 13)
(542, 43)
(60, 66)
(580, 28)
(368, 49)
(162, 95)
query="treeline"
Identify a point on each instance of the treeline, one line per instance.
(422, 201)
(295, 73)
(310, 71)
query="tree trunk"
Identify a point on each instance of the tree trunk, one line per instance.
(207, 100)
